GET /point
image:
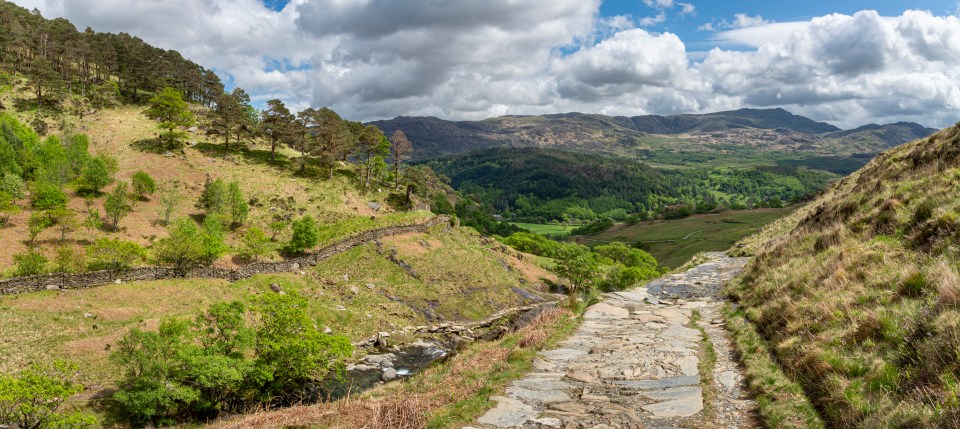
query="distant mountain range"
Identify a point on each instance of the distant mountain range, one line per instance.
(763, 130)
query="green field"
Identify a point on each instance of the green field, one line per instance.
(546, 229)
(674, 242)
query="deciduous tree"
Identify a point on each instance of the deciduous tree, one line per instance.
(577, 264)
(402, 150)
(117, 204)
(143, 185)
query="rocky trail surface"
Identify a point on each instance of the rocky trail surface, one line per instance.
(641, 359)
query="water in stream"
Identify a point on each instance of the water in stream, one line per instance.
(400, 362)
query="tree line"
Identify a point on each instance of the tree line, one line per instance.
(314, 133)
(101, 68)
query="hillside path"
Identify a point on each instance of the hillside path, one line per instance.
(635, 362)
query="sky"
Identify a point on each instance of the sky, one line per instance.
(846, 62)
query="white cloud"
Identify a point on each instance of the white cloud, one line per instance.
(649, 21)
(463, 59)
(849, 69)
(660, 4)
(740, 20)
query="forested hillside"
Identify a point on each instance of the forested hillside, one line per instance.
(858, 292)
(546, 185)
(102, 68)
(645, 166)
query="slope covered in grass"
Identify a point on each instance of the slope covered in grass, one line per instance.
(447, 275)
(859, 292)
(277, 190)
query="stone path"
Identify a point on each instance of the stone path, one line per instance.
(635, 363)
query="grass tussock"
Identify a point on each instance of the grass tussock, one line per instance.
(452, 393)
(855, 296)
(781, 402)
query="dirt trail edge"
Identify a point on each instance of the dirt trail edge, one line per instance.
(641, 359)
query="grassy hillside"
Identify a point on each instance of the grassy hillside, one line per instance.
(674, 242)
(277, 189)
(358, 293)
(859, 292)
(446, 274)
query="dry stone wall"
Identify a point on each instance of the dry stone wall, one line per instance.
(95, 278)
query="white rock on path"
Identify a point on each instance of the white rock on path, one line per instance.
(604, 310)
(509, 412)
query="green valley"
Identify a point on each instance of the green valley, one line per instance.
(599, 215)
(674, 242)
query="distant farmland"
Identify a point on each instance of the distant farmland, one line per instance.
(674, 242)
(546, 229)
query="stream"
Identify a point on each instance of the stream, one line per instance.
(385, 364)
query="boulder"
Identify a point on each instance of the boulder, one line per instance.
(389, 374)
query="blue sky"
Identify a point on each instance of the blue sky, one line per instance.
(847, 62)
(686, 26)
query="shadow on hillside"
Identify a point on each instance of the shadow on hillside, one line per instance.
(153, 145)
(312, 170)
(46, 105)
(253, 156)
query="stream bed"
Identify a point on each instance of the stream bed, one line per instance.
(385, 364)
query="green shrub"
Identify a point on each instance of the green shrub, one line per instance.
(48, 196)
(237, 204)
(38, 222)
(530, 242)
(30, 263)
(289, 346)
(68, 260)
(113, 254)
(232, 358)
(34, 398)
(594, 227)
(93, 221)
(439, 204)
(188, 245)
(154, 391)
(143, 185)
(117, 204)
(306, 235)
(621, 253)
(7, 208)
(12, 185)
(621, 277)
(214, 238)
(94, 176)
(77, 152)
(255, 244)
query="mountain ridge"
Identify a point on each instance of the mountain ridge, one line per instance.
(433, 136)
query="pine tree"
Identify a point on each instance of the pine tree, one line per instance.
(277, 125)
(168, 105)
